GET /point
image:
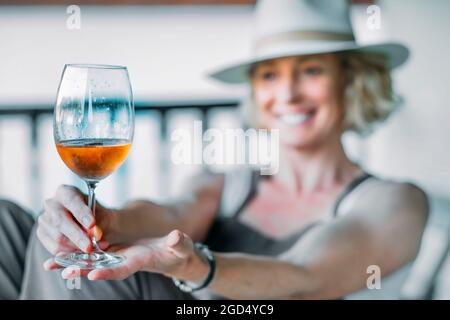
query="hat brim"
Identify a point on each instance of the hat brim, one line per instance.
(237, 72)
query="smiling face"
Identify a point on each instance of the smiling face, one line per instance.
(300, 96)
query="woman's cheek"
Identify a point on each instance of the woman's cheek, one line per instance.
(262, 97)
(263, 100)
(317, 91)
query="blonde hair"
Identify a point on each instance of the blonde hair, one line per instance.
(368, 96)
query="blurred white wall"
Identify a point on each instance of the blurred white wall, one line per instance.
(169, 49)
(414, 143)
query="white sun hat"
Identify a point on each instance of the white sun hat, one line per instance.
(299, 27)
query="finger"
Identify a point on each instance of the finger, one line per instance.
(134, 259)
(61, 240)
(96, 232)
(116, 248)
(103, 245)
(179, 244)
(51, 264)
(47, 241)
(50, 244)
(74, 272)
(72, 199)
(69, 228)
(118, 273)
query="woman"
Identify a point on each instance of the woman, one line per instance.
(309, 231)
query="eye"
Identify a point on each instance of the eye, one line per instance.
(268, 75)
(313, 71)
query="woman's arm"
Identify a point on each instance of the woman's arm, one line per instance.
(67, 222)
(193, 216)
(384, 229)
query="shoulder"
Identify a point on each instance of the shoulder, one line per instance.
(384, 201)
(396, 193)
(207, 182)
(396, 212)
(199, 186)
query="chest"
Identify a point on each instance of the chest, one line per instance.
(278, 213)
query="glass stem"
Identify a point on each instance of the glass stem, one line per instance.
(91, 204)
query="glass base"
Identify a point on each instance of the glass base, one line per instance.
(93, 260)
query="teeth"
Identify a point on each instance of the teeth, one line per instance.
(294, 119)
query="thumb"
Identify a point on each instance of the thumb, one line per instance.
(179, 244)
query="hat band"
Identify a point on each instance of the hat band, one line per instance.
(301, 36)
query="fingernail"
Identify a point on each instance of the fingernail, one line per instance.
(68, 273)
(64, 274)
(87, 221)
(84, 244)
(96, 232)
(48, 263)
(173, 238)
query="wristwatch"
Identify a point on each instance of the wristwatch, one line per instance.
(188, 287)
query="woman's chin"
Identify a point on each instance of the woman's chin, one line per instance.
(297, 143)
(297, 138)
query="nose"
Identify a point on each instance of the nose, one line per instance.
(288, 90)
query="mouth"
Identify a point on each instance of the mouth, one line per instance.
(296, 119)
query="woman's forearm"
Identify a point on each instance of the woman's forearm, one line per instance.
(193, 215)
(144, 219)
(242, 276)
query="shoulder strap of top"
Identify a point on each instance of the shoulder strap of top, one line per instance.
(255, 176)
(239, 187)
(248, 182)
(352, 186)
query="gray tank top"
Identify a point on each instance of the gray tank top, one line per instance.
(229, 234)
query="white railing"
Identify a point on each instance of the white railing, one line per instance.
(30, 168)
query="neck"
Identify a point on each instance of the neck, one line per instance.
(316, 169)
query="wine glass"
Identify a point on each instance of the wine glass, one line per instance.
(93, 129)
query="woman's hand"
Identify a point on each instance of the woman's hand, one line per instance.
(172, 255)
(67, 223)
